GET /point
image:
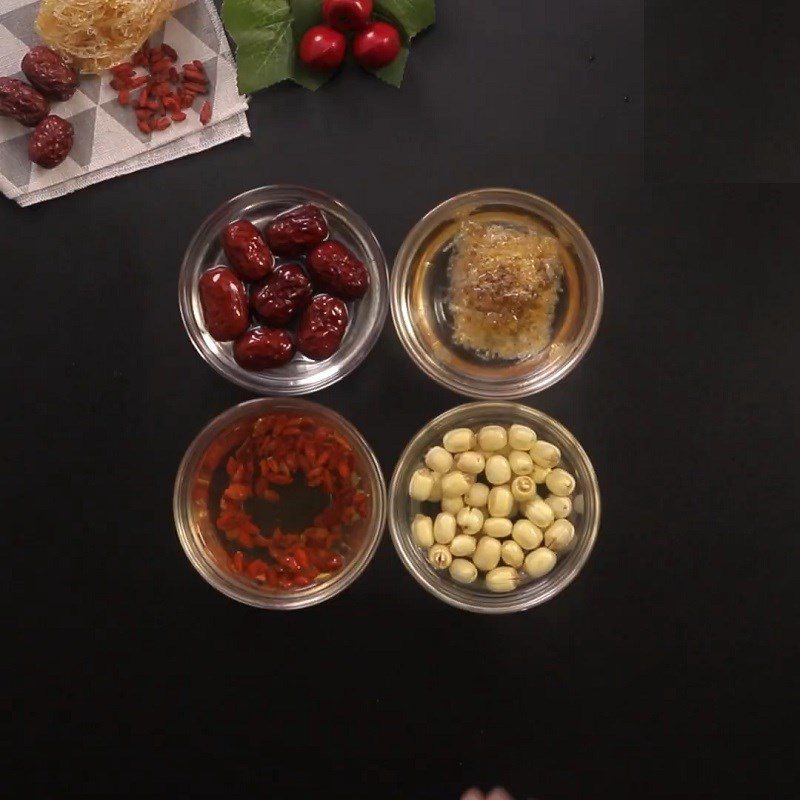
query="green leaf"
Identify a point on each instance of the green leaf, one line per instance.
(412, 16)
(307, 13)
(393, 73)
(308, 78)
(262, 30)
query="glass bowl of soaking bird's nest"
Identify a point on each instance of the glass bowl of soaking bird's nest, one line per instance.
(496, 293)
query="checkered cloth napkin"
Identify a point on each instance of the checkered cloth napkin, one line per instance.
(107, 141)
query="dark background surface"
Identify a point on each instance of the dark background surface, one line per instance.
(663, 671)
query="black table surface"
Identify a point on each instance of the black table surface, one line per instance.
(664, 670)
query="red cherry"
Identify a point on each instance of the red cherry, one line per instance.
(347, 15)
(322, 48)
(377, 45)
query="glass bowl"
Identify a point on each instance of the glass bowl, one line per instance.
(419, 289)
(585, 514)
(367, 315)
(193, 506)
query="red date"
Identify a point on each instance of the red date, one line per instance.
(336, 269)
(263, 348)
(22, 102)
(322, 327)
(297, 231)
(224, 302)
(282, 295)
(49, 73)
(247, 251)
(50, 142)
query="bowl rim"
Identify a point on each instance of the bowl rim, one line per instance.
(221, 580)
(258, 382)
(404, 546)
(469, 386)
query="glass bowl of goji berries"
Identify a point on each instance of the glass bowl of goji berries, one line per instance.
(283, 290)
(280, 503)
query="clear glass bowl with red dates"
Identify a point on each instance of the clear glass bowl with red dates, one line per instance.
(283, 290)
(280, 503)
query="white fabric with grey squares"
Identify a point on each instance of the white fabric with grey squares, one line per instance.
(107, 140)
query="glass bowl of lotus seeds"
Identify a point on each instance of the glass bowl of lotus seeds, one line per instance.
(494, 507)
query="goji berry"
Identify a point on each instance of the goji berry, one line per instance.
(277, 447)
(237, 491)
(291, 564)
(193, 76)
(256, 567)
(333, 562)
(161, 66)
(162, 81)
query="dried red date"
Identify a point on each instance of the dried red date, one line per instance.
(282, 295)
(336, 269)
(263, 348)
(224, 302)
(297, 231)
(247, 251)
(22, 102)
(322, 327)
(49, 73)
(50, 142)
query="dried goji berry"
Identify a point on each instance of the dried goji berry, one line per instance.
(194, 76)
(163, 81)
(256, 567)
(238, 492)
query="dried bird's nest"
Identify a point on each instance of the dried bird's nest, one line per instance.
(98, 34)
